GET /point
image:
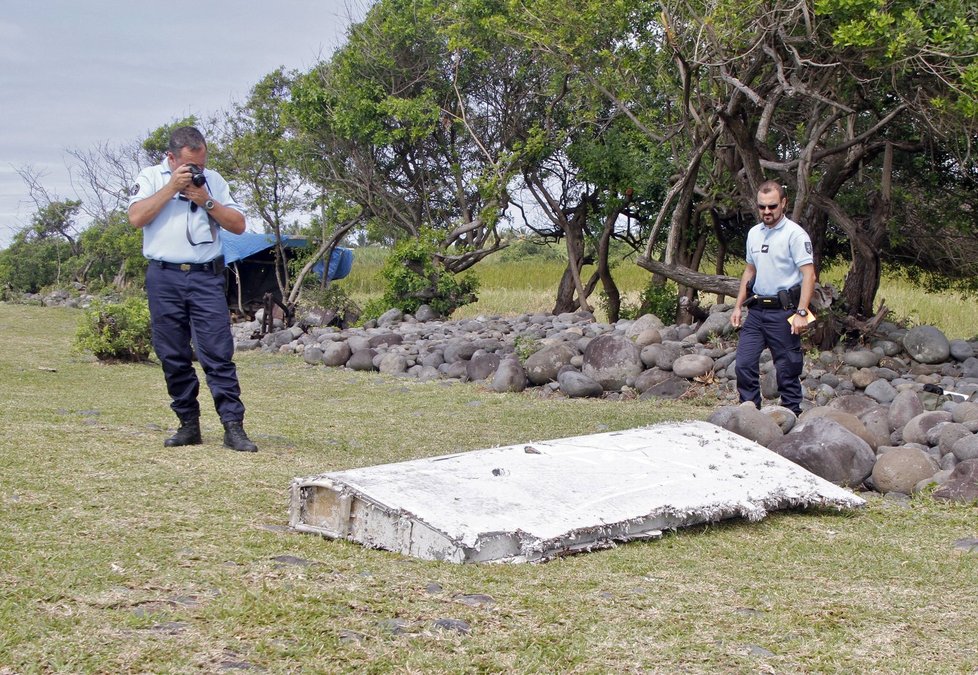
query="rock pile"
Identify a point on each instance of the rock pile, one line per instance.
(893, 415)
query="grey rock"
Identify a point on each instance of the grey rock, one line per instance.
(915, 431)
(362, 359)
(965, 411)
(453, 626)
(386, 339)
(904, 407)
(577, 385)
(481, 366)
(927, 344)
(961, 350)
(848, 420)
(749, 422)
(949, 435)
(784, 418)
(673, 388)
(392, 364)
(643, 323)
(961, 485)
(901, 469)
(854, 404)
(877, 425)
(828, 449)
(390, 317)
(649, 378)
(965, 448)
(612, 361)
(425, 313)
(336, 353)
(509, 376)
(648, 337)
(542, 366)
(861, 358)
(715, 324)
(459, 349)
(692, 365)
(882, 391)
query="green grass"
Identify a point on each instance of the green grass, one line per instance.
(117, 555)
(529, 285)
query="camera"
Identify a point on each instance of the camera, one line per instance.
(196, 175)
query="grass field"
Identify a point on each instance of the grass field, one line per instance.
(117, 555)
(514, 287)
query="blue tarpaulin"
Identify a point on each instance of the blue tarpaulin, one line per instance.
(241, 246)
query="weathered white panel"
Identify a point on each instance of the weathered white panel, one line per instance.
(535, 501)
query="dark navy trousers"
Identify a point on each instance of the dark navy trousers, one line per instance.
(191, 306)
(768, 327)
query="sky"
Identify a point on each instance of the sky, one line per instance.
(75, 74)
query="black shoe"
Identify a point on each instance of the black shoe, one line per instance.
(236, 438)
(187, 434)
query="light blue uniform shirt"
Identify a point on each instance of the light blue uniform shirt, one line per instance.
(777, 253)
(179, 234)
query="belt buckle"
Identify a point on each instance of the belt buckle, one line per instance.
(184, 267)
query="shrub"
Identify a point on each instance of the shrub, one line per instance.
(413, 279)
(116, 332)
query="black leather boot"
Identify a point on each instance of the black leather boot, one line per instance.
(187, 434)
(236, 438)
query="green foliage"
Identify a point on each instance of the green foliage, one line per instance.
(334, 297)
(659, 299)
(116, 331)
(415, 278)
(525, 347)
(158, 141)
(29, 265)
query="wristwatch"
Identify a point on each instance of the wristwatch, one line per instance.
(209, 204)
(800, 312)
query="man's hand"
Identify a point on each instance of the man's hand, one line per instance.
(735, 317)
(180, 178)
(198, 195)
(799, 324)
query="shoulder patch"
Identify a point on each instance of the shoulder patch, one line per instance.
(808, 247)
(134, 190)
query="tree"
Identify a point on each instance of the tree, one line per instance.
(257, 152)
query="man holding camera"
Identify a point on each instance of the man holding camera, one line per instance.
(181, 208)
(776, 286)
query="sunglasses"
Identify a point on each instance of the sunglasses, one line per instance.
(768, 207)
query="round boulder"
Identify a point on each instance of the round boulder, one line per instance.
(965, 448)
(927, 344)
(336, 353)
(542, 366)
(692, 365)
(747, 421)
(828, 449)
(904, 407)
(900, 469)
(577, 385)
(509, 376)
(915, 431)
(362, 359)
(612, 361)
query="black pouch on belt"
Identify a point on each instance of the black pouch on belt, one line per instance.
(785, 299)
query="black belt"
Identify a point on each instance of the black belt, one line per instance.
(768, 302)
(215, 266)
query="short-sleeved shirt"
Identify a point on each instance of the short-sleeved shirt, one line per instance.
(777, 253)
(180, 233)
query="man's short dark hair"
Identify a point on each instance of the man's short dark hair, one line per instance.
(186, 137)
(769, 186)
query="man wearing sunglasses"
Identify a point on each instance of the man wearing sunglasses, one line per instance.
(181, 208)
(776, 287)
